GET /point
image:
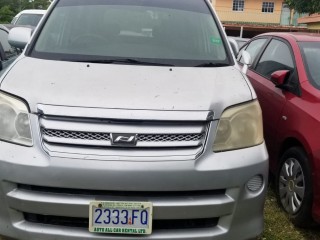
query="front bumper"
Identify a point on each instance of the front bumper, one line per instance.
(211, 187)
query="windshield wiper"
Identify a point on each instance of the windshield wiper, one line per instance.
(211, 64)
(125, 60)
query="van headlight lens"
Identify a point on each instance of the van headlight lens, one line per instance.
(14, 121)
(239, 127)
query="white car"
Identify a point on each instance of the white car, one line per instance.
(129, 119)
(28, 17)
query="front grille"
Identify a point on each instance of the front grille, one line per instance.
(76, 135)
(170, 137)
(156, 224)
(106, 136)
(183, 140)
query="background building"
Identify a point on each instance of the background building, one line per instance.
(312, 22)
(248, 18)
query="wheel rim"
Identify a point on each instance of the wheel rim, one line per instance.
(291, 185)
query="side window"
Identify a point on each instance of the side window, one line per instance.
(2, 53)
(8, 50)
(253, 48)
(4, 40)
(277, 56)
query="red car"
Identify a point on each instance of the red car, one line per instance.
(285, 72)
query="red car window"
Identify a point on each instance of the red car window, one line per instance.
(254, 47)
(277, 56)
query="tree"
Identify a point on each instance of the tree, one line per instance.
(9, 8)
(34, 4)
(6, 14)
(304, 6)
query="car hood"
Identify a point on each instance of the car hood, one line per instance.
(116, 86)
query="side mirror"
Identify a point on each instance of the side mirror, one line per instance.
(279, 77)
(19, 36)
(246, 60)
(234, 45)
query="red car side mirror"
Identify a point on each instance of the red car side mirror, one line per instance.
(279, 77)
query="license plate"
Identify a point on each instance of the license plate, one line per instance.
(120, 217)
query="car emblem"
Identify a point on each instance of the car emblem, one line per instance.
(123, 139)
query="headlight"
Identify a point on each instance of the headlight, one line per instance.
(239, 127)
(14, 121)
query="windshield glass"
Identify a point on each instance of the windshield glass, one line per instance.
(29, 19)
(311, 52)
(164, 31)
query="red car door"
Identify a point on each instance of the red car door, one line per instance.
(276, 56)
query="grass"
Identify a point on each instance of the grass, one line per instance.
(279, 227)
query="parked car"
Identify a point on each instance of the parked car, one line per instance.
(129, 117)
(30, 17)
(285, 73)
(239, 42)
(7, 53)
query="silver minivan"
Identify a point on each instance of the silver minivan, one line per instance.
(129, 119)
(29, 17)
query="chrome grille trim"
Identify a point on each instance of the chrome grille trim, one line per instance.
(149, 134)
(100, 136)
(183, 140)
(106, 126)
(124, 114)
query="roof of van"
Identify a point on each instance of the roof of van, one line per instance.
(35, 11)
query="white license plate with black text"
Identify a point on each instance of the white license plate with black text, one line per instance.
(120, 217)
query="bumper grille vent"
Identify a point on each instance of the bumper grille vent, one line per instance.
(157, 224)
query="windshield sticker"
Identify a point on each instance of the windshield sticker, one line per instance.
(214, 40)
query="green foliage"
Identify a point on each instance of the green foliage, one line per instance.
(5, 14)
(278, 225)
(9, 8)
(304, 6)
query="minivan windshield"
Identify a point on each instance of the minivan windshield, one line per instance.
(29, 19)
(311, 52)
(175, 32)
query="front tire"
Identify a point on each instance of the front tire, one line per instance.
(294, 186)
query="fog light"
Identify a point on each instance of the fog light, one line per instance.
(255, 183)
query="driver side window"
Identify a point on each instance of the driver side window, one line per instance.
(277, 56)
(253, 48)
